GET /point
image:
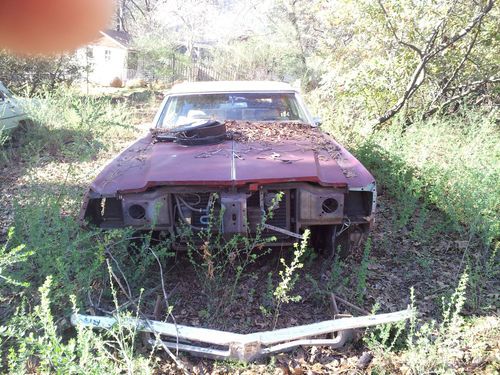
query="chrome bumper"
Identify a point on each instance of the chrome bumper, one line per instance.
(216, 344)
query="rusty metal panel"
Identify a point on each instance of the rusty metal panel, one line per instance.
(144, 165)
(235, 212)
(156, 209)
(285, 162)
(320, 206)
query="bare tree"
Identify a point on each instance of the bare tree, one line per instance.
(130, 12)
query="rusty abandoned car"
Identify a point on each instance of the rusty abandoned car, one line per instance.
(250, 155)
(236, 147)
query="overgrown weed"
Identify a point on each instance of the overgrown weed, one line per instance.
(69, 125)
(36, 344)
(220, 261)
(448, 163)
(67, 260)
(288, 275)
(437, 346)
(10, 256)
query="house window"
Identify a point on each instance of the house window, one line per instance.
(107, 55)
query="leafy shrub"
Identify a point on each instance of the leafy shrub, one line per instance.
(69, 125)
(9, 256)
(34, 74)
(35, 345)
(282, 293)
(422, 163)
(74, 258)
(432, 346)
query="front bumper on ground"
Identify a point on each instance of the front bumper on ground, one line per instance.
(216, 344)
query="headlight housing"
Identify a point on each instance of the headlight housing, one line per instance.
(320, 206)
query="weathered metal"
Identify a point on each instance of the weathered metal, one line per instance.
(146, 165)
(324, 187)
(245, 347)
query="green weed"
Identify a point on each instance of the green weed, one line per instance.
(36, 344)
(221, 262)
(363, 272)
(430, 346)
(10, 256)
(283, 292)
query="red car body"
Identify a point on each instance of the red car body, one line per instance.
(155, 185)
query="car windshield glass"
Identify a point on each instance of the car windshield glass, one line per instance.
(185, 109)
(4, 92)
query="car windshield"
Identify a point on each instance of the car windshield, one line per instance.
(186, 109)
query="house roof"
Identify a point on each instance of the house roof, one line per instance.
(230, 86)
(121, 37)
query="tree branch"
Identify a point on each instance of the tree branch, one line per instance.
(138, 7)
(430, 51)
(476, 83)
(393, 30)
(476, 21)
(470, 88)
(457, 68)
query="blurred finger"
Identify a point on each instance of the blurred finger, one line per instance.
(51, 26)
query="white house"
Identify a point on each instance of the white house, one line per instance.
(109, 58)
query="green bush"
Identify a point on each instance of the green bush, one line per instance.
(451, 163)
(35, 345)
(68, 125)
(435, 346)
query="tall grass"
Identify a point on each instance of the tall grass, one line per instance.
(451, 163)
(48, 249)
(442, 175)
(67, 125)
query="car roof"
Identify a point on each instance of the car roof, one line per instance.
(230, 86)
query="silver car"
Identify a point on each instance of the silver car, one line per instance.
(12, 112)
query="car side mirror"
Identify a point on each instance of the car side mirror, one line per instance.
(317, 121)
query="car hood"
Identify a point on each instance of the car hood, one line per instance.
(146, 164)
